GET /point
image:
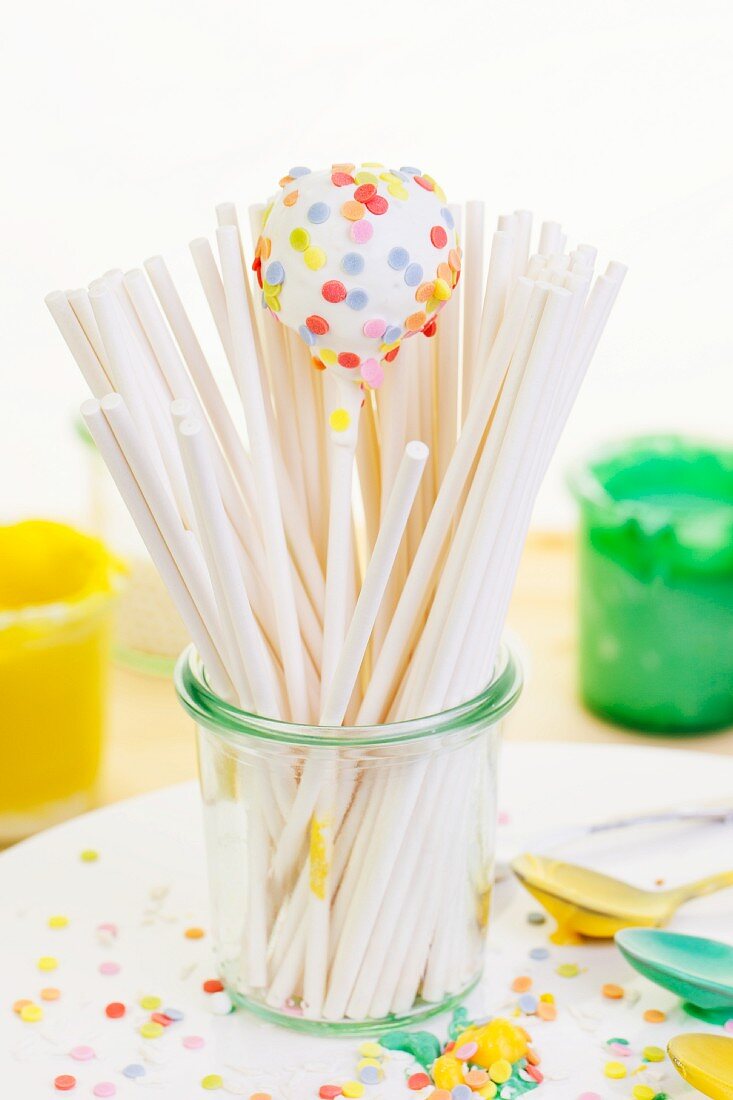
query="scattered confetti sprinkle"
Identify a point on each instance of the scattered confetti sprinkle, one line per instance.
(655, 1016)
(109, 968)
(47, 962)
(212, 1081)
(612, 991)
(50, 993)
(193, 1042)
(194, 933)
(418, 1081)
(568, 970)
(521, 984)
(615, 1070)
(539, 954)
(115, 1010)
(536, 918)
(104, 1088)
(58, 922)
(151, 1030)
(653, 1054)
(89, 855)
(149, 1002)
(643, 1092)
(354, 1089)
(329, 1092)
(31, 1013)
(133, 1071)
(64, 1082)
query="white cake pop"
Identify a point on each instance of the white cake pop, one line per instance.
(356, 259)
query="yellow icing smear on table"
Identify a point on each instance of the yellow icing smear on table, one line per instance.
(56, 597)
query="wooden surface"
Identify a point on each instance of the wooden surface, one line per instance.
(151, 742)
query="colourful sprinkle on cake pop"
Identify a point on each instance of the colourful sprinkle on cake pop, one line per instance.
(356, 259)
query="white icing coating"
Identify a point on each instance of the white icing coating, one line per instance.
(382, 267)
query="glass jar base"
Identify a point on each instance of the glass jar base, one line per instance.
(422, 1010)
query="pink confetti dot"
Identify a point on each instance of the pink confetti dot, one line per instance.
(466, 1051)
(374, 328)
(193, 1042)
(504, 817)
(104, 1088)
(728, 1025)
(109, 968)
(621, 1050)
(372, 373)
(107, 926)
(362, 231)
(590, 1096)
(82, 1054)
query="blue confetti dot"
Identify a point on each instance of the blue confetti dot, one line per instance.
(398, 258)
(539, 953)
(307, 336)
(173, 1013)
(369, 1075)
(528, 1003)
(275, 273)
(461, 1092)
(134, 1070)
(447, 217)
(357, 299)
(299, 171)
(410, 171)
(393, 333)
(413, 275)
(319, 212)
(400, 175)
(352, 263)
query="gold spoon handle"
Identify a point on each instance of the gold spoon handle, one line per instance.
(704, 886)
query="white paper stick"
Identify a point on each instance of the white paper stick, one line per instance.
(472, 268)
(448, 371)
(78, 344)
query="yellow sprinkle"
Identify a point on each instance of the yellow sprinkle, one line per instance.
(300, 239)
(643, 1092)
(339, 421)
(151, 1030)
(47, 963)
(568, 970)
(89, 856)
(442, 291)
(615, 1070)
(368, 1062)
(367, 177)
(652, 1054)
(487, 1091)
(150, 1002)
(548, 998)
(58, 922)
(327, 356)
(352, 1088)
(319, 845)
(265, 216)
(397, 190)
(31, 1013)
(386, 348)
(372, 164)
(500, 1071)
(314, 258)
(371, 1050)
(212, 1081)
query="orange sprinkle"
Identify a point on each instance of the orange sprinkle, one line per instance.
(454, 259)
(20, 1005)
(612, 991)
(347, 168)
(194, 933)
(532, 1057)
(317, 363)
(655, 1016)
(286, 179)
(546, 1011)
(291, 198)
(476, 1078)
(444, 272)
(521, 984)
(353, 210)
(424, 292)
(50, 994)
(266, 248)
(415, 321)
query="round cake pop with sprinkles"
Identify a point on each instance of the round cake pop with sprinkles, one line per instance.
(356, 259)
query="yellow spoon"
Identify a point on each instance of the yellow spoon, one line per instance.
(586, 903)
(705, 1062)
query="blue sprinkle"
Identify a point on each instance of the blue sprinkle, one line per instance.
(369, 1075)
(461, 1092)
(447, 217)
(528, 1003)
(400, 175)
(398, 258)
(307, 336)
(173, 1013)
(295, 172)
(413, 275)
(357, 299)
(319, 212)
(275, 273)
(539, 953)
(393, 333)
(352, 263)
(406, 168)
(134, 1070)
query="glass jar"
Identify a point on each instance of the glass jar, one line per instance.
(655, 597)
(57, 595)
(350, 869)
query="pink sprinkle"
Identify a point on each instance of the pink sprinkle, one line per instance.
(82, 1054)
(372, 373)
(361, 231)
(374, 328)
(104, 1088)
(728, 1025)
(193, 1042)
(466, 1051)
(109, 968)
(590, 1096)
(620, 1050)
(107, 926)
(504, 817)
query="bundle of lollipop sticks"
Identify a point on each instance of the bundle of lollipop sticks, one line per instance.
(343, 577)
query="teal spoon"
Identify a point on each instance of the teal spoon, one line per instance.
(698, 970)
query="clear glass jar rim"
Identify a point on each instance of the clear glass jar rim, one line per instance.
(218, 715)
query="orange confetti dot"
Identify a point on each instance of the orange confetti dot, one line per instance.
(444, 272)
(655, 1016)
(415, 321)
(50, 994)
(194, 933)
(266, 248)
(612, 991)
(291, 198)
(317, 363)
(546, 1011)
(476, 1078)
(522, 984)
(353, 210)
(20, 1005)
(347, 169)
(285, 180)
(532, 1057)
(454, 259)
(424, 291)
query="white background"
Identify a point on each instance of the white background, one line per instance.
(123, 125)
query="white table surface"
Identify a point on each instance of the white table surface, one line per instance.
(150, 882)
